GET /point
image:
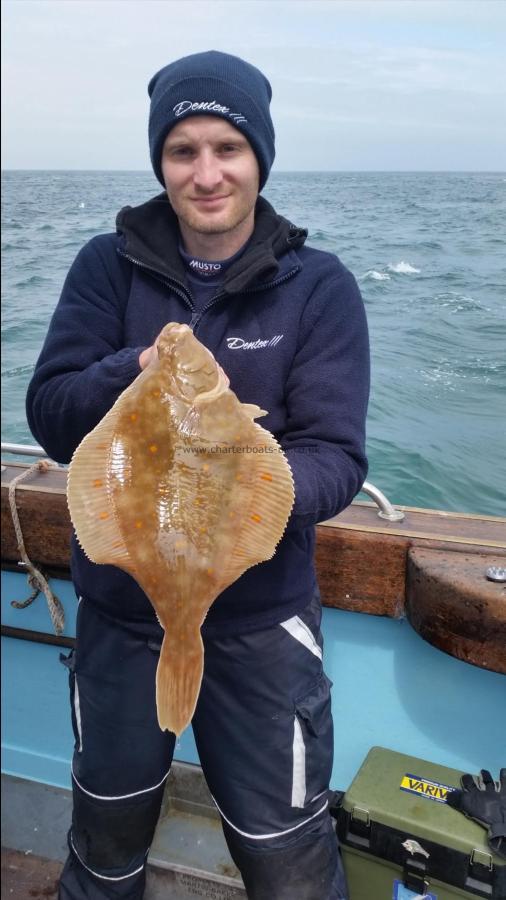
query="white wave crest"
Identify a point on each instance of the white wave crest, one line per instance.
(403, 268)
(375, 276)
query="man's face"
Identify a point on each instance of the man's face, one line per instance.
(211, 175)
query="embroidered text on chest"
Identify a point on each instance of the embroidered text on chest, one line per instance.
(237, 343)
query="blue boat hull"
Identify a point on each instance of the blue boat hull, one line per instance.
(391, 688)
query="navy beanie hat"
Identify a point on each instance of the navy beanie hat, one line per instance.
(212, 84)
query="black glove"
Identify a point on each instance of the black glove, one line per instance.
(484, 800)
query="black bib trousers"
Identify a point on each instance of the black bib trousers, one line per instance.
(264, 734)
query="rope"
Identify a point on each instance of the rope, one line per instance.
(33, 596)
(35, 576)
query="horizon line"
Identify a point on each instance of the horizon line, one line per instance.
(294, 171)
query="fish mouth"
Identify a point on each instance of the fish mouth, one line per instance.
(197, 376)
(176, 328)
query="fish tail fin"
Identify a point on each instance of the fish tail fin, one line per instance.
(178, 680)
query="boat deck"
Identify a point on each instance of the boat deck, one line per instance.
(31, 876)
(188, 859)
(28, 876)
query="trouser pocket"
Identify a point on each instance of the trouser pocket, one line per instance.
(313, 744)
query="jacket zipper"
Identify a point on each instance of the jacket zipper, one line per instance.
(174, 285)
(187, 297)
(197, 316)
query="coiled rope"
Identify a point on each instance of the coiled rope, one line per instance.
(35, 577)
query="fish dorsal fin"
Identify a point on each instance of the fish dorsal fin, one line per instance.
(89, 496)
(266, 507)
(253, 411)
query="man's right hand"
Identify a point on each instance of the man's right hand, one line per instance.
(148, 355)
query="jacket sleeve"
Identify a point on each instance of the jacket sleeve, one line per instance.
(327, 393)
(83, 366)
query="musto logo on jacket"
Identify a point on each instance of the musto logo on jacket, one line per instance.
(237, 343)
(205, 268)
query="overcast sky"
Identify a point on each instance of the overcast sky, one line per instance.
(412, 84)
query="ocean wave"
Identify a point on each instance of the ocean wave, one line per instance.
(430, 245)
(15, 247)
(400, 268)
(32, 281)
(451, 374)
(373, 275)
(17, 371)
(320, 235)
(441, 375)
(477, 367)
(411, 478)
(403, 268)
(456, 302)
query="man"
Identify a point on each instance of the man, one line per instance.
(286, 323)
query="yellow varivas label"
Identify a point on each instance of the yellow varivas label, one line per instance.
(433, 790)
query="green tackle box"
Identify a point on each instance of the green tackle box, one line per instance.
(400, 840)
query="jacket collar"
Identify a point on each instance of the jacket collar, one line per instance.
(150, 236)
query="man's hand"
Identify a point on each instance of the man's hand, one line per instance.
(148, 355)
(484, 800)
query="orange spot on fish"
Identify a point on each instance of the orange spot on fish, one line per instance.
(139, 524)
(210, 571)
(134, 417)
(104, 515)
(98, 482)
(256, 518)
(266, 476)
(153, 448)
(156, 392)
(205, 467)
(203, 530)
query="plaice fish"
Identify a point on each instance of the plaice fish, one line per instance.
(182, 489)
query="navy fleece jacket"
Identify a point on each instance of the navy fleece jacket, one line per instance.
(288, 328)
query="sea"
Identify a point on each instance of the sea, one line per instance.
(429, 253)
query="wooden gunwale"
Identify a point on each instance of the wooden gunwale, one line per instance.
(424, 535)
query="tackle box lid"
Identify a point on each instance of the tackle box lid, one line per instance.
(408, 795)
